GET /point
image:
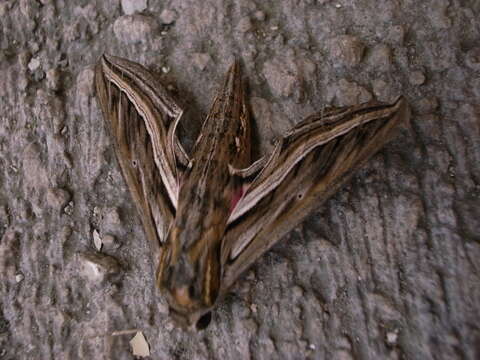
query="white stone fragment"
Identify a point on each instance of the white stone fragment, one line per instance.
(19, 277)
(97, 240)
(130, 7)
(139, 345)
(34, 64)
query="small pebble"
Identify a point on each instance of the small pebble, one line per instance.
(69, 208)
(57, 198)
(110, 242)
(201, 60)
(381, 57)
(133, 29)
(417, 78)
(53, 79)
(111, 218)
(392, 337)
(427, 105)
(168, 16)
(259, 15)
(19, 277)
(34, 64)
(130, 7)
(346, 50)
(97, 267)
(97, 240)
(244, 24)
(473, 59)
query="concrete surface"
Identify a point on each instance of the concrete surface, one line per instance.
(387, 269)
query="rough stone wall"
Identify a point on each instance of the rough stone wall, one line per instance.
(387, 269)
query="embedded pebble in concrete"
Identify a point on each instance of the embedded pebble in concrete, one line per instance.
(201, 60)
(97, 267)
(130, 7)
(346, 50)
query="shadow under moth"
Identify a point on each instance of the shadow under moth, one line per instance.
(209, 214)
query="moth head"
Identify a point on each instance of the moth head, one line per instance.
(189, 278)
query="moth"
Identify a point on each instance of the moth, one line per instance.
(210, 213)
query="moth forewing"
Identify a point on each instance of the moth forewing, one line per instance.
(310, 168)
(156, 116)
(136, 145)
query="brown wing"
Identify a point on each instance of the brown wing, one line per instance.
(307, 166)
(142, 117)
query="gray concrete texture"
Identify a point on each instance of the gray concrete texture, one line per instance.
(387, 269)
